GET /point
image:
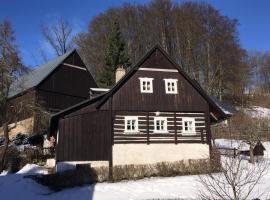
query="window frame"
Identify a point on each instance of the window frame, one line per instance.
(165, 125)
(171, 80)
(127, 118)
(188, 132)
(146, 79)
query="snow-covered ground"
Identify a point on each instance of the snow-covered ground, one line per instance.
(258, 112)
(182, 187)
(15, 186)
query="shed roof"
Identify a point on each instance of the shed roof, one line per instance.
(34, 77)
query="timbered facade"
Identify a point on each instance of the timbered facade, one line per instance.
(154, 113)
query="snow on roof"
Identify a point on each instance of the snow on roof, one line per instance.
(99, 89)
(221, 105)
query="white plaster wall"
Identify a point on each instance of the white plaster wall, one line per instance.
(124, 154)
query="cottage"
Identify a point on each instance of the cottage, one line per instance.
(54, 86)
(154, 113)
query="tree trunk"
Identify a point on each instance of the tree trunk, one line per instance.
(5, 148)
(251, 154)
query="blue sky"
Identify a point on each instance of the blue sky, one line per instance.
(27, 16)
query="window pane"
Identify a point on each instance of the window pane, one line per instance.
(186, 125)
(148, 85)
(158, 125)
(162, 124)
(144, 85)
(128, 125)
(133, 124)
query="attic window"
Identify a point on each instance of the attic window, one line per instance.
(131, 124)
(146, 85)
(188, 125)
(160, 124)
(171, 86)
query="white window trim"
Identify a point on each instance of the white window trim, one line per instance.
(150, 80)
(136, 124)
(188, 132)
(170, 80)
(165, 125)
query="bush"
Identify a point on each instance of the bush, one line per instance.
(86, 175)
(163, 169)
(14, 160)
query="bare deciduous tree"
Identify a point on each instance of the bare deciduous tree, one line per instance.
(249, 129)
(59, 36)
(10, 70)
(236, 180)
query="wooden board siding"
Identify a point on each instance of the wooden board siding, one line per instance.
(54, 102)
(157, 60)
(82, 138)
(170, 137)
(67, 85)
(187, 99)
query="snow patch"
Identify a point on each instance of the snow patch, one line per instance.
(231, 144)
(31, 169)
(258, 112)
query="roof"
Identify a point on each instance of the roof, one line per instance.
(33, 78)
(222, 106)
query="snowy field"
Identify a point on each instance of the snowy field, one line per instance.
(16, 187)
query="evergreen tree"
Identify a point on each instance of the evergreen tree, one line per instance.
(116, 55)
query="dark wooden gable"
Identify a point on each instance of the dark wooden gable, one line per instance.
(129, 97)
(157, 60)
(191, 97)
(67, 85)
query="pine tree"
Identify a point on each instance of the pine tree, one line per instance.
(116, 55)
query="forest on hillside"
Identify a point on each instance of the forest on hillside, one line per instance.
(202, 41)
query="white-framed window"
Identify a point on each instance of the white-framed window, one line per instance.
(146, 85)
(188, 125)
(171, 86)
(131, 124)
(160, 125)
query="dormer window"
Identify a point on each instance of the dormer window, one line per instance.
(146, 85)
(171, 86)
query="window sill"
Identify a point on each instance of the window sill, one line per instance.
(131, 132)
(188, 133)
(161, 132)
(146, 92)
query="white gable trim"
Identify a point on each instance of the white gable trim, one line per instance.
(74, 66)
(158, 70)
